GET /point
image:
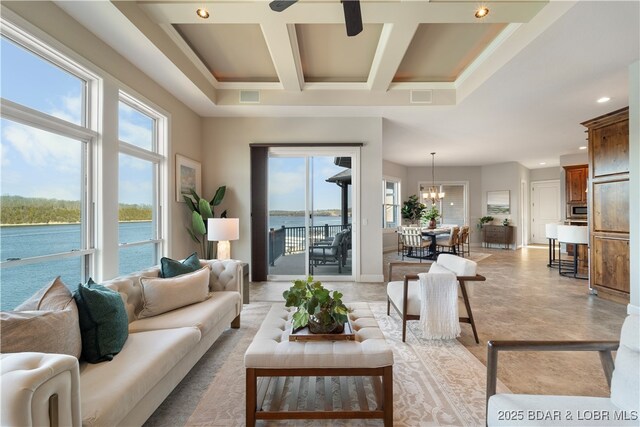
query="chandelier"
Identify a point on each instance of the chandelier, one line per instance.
(433, 193)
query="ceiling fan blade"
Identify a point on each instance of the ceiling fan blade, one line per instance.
(352, 17)
(280, 5)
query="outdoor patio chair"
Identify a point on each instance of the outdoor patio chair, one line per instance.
(329, 253)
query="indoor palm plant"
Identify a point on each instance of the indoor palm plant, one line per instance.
(317, 307)
(201, 210)
(432, 214)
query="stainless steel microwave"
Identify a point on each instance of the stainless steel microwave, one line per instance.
(577, 211)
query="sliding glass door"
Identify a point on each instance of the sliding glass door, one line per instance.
(310, 224)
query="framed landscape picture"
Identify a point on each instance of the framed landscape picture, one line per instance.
(498, 203)
(188, 177)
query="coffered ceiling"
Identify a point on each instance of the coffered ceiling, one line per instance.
(511, 87)
(427, 46)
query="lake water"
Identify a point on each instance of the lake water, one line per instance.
(19, 283)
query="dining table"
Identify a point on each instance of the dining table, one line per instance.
(433, 235)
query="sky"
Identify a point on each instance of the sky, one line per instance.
(36, 163)
(287, 182)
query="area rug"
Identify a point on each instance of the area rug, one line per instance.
(435, 382)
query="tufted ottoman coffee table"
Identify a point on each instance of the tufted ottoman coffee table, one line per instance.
(316, 379)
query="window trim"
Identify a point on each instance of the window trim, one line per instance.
(157, 157)
(85, 133)
(398, 181)
(465, 184)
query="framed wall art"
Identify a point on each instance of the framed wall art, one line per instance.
(188, 177)
(498, 203)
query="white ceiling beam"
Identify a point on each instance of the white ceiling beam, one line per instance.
(282, 42)
(393, 44)
(306, 12)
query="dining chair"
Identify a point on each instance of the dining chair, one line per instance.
(452, 242)
(463, 239)
(413, 243)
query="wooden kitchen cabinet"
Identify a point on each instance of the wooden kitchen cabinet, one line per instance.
(576, 183)
(609, 204)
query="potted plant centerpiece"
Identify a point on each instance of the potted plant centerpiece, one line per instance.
(412, 209)
(432, 214)
(317, 307)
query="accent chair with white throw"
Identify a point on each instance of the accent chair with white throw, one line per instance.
(622, 408)
(409, 298)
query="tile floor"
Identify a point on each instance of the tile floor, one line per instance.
(521, 299)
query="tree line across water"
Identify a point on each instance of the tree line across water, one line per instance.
(33, 210)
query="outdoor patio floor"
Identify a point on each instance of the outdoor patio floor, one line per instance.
(293, 264)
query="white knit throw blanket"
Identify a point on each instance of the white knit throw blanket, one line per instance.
(439, 307)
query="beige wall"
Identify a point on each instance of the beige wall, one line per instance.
(225, 161)
(506, 176)
(185, 137)
(545, 174)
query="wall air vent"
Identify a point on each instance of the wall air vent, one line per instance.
(421, 96)
(249, 97)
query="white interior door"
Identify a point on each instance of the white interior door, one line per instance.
(545, 208)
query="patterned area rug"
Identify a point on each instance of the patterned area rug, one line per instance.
(435, 382)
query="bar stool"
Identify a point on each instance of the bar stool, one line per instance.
(574, 235)
(551, 233)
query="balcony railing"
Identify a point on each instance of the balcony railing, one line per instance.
(292, 240)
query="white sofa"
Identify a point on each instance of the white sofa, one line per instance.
(53, 389)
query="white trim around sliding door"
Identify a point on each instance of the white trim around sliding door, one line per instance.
(333, 151)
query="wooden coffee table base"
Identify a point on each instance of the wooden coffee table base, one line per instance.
(256, 396)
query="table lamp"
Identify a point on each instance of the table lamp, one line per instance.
(222, 230)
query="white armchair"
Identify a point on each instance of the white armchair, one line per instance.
(622, 408)
(405, 297)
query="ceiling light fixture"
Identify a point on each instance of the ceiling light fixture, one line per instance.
(543, 163)
(202, 13)
(433, 193)
(481, 12)
(603, 99)
(583, 147)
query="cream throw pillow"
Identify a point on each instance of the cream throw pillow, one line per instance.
(46, 323)
(162, 295)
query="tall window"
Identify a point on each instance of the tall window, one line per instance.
(45, 149)
(391, 206)
(140, 131)
(454, 207)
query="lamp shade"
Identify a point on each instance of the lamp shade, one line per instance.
(220, 229)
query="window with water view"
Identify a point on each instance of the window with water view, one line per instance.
(49, 180)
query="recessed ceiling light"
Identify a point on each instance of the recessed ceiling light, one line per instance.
(202, 13)
(583, 147)
(604, 99)
(481, 12)
(543, 163)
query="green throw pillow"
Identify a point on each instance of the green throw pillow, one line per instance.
(104, 325)
(172, 268)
